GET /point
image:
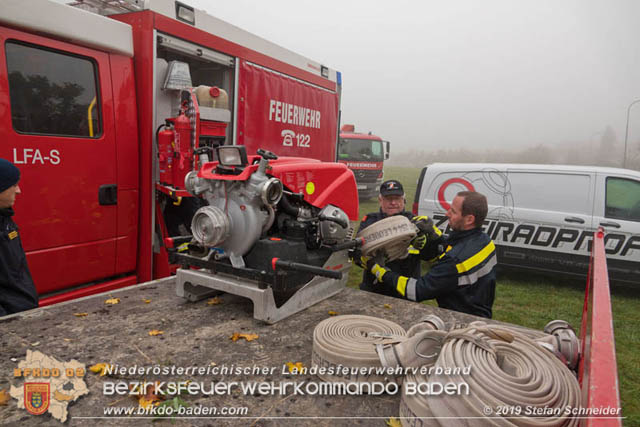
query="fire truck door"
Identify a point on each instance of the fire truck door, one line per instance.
(56, 126)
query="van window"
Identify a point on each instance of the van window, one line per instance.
(52, 93)
(559, 192)
(623, 199)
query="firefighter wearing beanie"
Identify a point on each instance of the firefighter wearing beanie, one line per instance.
(17, 291)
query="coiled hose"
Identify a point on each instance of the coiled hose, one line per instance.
(392, 234)
(350, 341)
(513, 381)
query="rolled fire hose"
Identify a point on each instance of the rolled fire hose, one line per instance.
(392, 234)
(423, 348)
(509, 374)
(349, 341)
(558, 337)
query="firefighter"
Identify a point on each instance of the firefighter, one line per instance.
(392, 202)
(463, 277)
(17, 291)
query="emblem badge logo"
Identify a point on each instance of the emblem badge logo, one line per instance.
(36, 397)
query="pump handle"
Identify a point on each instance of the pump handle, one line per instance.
(277, 263)
(268, 155)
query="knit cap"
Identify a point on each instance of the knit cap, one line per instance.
(9, 174)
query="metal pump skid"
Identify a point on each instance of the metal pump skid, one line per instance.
(273, 230)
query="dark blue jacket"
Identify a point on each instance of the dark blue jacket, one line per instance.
(409, 266)
(462, 279)
(17, 291)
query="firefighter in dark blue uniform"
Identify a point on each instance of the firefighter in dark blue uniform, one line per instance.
(392, 202)
(463, 277)
(17, 291)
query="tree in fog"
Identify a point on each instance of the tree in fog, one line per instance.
(539, 154)
(607, 151)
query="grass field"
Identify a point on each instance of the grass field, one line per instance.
(533, 300)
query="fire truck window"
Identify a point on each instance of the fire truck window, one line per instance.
(623, 199)
(376, 149)
(52, 93)
(361, 149)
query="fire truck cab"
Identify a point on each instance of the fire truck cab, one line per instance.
(364, 154)
(106, 106)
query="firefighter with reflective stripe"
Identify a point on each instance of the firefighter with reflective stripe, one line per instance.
(463, 277)
(17, 291)
(392, 202)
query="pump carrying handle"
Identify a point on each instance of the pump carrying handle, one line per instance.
(349, 244)
(267, 155)
(277, 263)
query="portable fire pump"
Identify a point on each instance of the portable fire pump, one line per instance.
(274, 230)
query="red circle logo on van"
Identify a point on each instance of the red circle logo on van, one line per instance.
(446, 184)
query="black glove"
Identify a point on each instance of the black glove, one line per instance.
(426, 228)
(356, 256)
(419, 242)
(376, 265)
(379, 257)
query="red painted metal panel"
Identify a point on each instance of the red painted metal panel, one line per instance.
(194, 35)
(126, 122)
(143, 41)
(598, 371)
(362, 165)
(55, 269)
(127, 158)
(127, 241)
(89, 290)
(285, 116)
(161, 266)
(58, 212)
(321, 183)
(359, 136)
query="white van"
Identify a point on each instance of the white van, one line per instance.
(543, 216)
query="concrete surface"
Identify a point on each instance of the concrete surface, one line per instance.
(195, 334)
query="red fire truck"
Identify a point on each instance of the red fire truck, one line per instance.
(364, 154)
(105, 106)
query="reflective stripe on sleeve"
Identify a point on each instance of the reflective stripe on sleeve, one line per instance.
(469, 263)
(411, 289)
(468, 279)
(445, 252)
(401, 286)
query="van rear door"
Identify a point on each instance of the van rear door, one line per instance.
(57, 127)
(617, 211)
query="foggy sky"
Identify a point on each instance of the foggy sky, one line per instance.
(466, 74)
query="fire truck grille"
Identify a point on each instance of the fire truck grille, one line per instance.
(366, 174)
